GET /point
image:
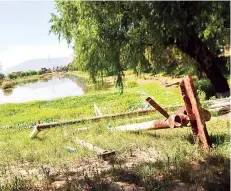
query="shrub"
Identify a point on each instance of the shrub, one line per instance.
(201, 94)
(204, 85)
(32, 72)
(72, 67)
(7, 84)
(12, 76)
(27, 73)
(40, 72)
(2, 76)
(183, 70)
(22, 74)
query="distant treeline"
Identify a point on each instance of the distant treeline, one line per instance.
(14, 75)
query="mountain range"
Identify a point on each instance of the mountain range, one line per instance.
(37, 64)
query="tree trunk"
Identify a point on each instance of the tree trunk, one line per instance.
(198, 50)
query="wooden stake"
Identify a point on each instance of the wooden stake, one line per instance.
(101, 153)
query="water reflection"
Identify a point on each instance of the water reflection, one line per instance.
(28, 82)
(77, 80)
(8, 92)
(55, 87)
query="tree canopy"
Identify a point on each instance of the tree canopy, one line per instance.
(109, 37)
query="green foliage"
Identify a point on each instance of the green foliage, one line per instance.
(72, 67)
(12, 76)
(40, 72)
(109, 37)
(204, 88)
(33, 72)
(201, 94)
(22, 74)
(27, 73)
(175, 71)
(2, 76)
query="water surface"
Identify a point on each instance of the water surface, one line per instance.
(55, 87)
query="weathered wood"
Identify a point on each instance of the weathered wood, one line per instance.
(97, 111)
(149, 125)
(139, 112)
(39, 127)
(34, 133)
(157, 107)
(173, 121)
(101, 153)
(193, 107)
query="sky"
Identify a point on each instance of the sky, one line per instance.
(24, 33)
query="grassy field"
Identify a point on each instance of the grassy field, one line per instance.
(153, 160)
(25, 115)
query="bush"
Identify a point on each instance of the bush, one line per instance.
(40, 72)
(32, 72)
(205, 86)
(7, 84)
(2, 76)
(72, 67)
(183, 71)
(201, 94)
(27, 73)
(22, 74)
(12, 76)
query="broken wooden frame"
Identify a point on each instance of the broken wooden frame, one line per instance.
(191, 112)
(197, 115)
(39, 127)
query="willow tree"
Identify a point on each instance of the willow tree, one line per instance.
(110, 37)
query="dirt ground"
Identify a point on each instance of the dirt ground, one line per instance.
(150, 79)
(136, 156)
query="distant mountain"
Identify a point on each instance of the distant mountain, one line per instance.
(37, 64)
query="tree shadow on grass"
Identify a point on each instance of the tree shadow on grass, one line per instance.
(213, 174)
(114, 180)
(216, 139)
(148, 134)
(219, 139)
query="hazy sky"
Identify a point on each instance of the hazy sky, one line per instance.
(24, 32)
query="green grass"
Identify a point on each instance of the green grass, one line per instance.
(109, 102)
(178, 159)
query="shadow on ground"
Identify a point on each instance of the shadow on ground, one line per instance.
(211, 174)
